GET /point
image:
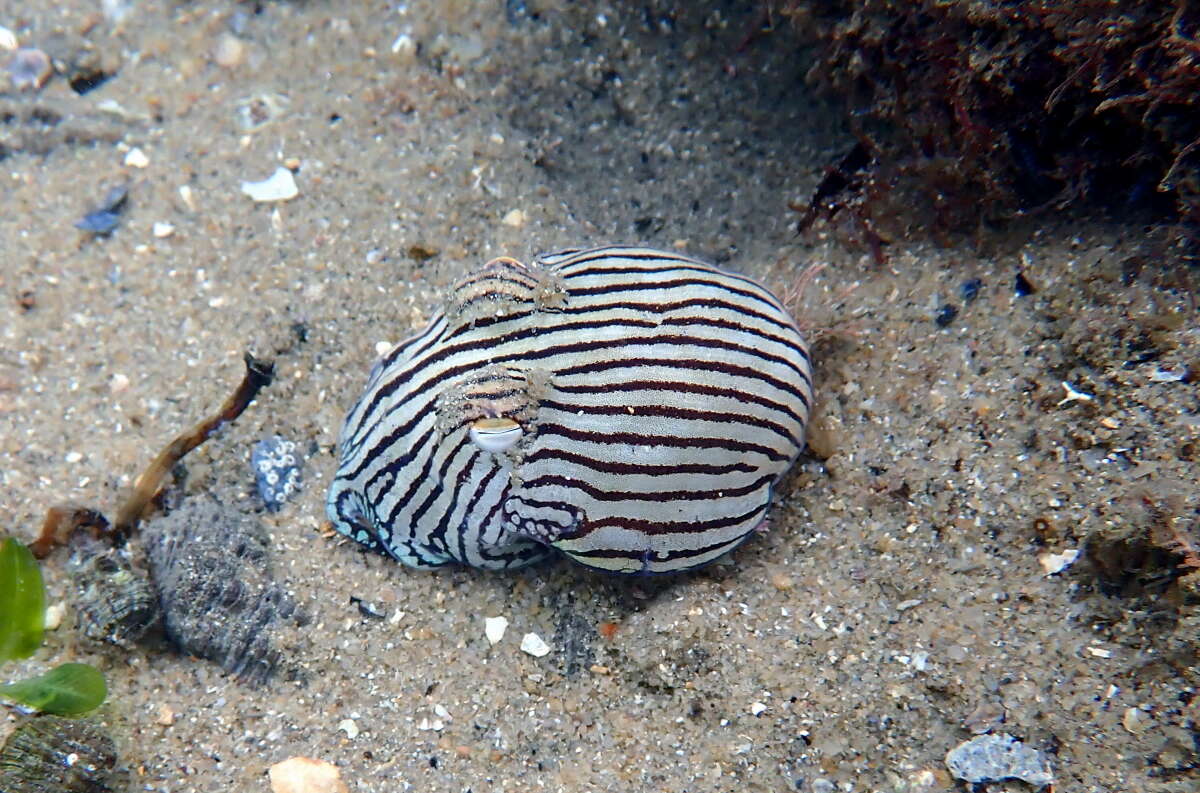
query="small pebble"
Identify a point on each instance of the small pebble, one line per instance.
(534, 645)
(8, 39)
(189, 200)
(277, 464)
(279, 186)
(54, 615)
(306, 775)
(162, 230)
(946, 315)
(166, 716)
(515, 218)
(991, 758)
(494, 628)
(404, 48)
(970, 289)
(757, 709)
(136, 158)
(1022, 286)
(29, 68)
(229, 51)
(1057, 562)
(103, 220)
(1135, 721)
(1164, 375)
(349, 727)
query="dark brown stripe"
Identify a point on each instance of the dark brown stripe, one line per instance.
(672, 412)
(675, 387)
(670, 441)
(603, 466)
(658, 527)
(551, 480)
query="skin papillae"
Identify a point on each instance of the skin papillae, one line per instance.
(630, 408)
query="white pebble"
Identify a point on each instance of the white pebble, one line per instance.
(280, 186)
(405, 47)
(382, 347)
(1057, 562)
(185, 192)
(441, 712)
(494, 628)
(163, 230)
(8, 39)
(533, 644)
(136, 158)
(757, 708)
(349, 727)
(73, 457)
(54, 615)
(515, 218)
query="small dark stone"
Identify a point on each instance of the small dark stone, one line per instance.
(99, 222)
(946, 315)
(103, 220)
(970, 289)
(366, 609)
(515, 11)
(88, 79)
(1022, 285)
(648, 225)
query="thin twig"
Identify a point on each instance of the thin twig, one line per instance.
(258, 375)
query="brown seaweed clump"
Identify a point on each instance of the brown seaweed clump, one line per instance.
(995, 109)
(210, 565)
(49, 754)
(1154, 550)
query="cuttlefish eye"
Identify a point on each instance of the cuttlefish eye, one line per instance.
(495, 435)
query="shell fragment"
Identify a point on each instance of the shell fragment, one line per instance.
(279, 186)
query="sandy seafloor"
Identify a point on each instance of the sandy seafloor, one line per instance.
(897, 600)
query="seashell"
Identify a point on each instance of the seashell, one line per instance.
(631, 408)
(114, 601)
(29, 68)
(50, 754)
(210, 566)
(277, 464)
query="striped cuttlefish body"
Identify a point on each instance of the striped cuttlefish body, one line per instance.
(630, 408)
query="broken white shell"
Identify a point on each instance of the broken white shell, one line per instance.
(280, 186)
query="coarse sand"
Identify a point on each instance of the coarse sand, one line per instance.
(900, 601)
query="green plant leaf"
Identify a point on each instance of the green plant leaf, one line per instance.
(66, 690)
(22, 602)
